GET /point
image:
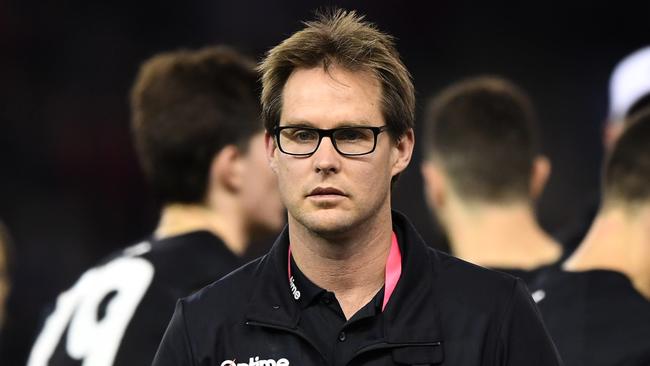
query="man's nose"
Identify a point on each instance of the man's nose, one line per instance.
(326, 158)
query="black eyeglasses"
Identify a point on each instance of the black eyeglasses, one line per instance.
(348, 141)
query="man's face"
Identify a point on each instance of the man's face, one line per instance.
(261, 200)
(326, 192)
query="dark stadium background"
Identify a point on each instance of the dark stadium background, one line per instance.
(71, 190)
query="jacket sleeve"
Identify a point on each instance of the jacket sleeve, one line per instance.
(523, 338)
(175, 348)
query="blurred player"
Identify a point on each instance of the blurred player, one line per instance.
(597, 305)
(483, 172)
(195, 119)
(629, 92)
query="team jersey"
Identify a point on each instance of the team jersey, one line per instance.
(117, 312)
(595, 317)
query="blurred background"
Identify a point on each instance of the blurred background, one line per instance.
(71, 190)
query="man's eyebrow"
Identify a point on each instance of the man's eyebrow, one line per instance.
(343, 124)
(297, 124)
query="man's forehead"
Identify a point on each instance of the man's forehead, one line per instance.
(335, 75)
(337, 96)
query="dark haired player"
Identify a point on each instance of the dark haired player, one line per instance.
(195, 120)
(483, 172)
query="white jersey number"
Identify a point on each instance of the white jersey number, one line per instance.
(94, 340)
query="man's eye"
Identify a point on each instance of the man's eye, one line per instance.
(349, 135)
(305, 135)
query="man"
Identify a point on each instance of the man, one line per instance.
(482, 173)
(629, 92)
(349, 281)
(597, 306)
(195, 119)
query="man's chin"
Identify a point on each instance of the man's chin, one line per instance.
(328, 222)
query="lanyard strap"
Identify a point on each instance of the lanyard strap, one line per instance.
(393, 269)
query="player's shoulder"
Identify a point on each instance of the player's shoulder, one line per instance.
(457, 279)
(458, 270)
(130, 256)
(196, 254)
(227, 296)
(140, 249)
(128, 263)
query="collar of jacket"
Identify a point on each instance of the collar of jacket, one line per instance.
(411, 315)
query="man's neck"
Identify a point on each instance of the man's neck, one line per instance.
(500, 236)
(620, 242)
(178, 219)
(352, 265)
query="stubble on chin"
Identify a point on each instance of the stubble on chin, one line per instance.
(325, 224)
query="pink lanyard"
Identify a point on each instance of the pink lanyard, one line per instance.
(393, 269)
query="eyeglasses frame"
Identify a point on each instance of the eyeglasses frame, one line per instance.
(376, 130)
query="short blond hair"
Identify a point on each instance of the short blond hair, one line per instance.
(345, 39)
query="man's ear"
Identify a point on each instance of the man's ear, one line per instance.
(435, 184)
(271, 150)
(403, 152)
(539, 177)
(226, 169)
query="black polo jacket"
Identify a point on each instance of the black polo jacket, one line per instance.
(443, 311)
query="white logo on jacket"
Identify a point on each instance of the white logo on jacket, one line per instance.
(294, 288)
(257, 362)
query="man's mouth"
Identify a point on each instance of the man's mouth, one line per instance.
(325, 191)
